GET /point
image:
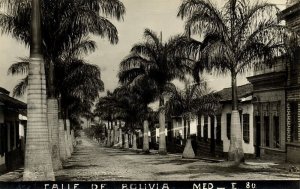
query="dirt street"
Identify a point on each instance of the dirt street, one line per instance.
(90, 162)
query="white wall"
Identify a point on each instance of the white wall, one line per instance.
(247, 109)
(179, 126)
(209, 126)
(193, 124)
(21, 126)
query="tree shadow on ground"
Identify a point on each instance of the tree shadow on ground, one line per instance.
(174, 161)
(78, 166)
(120, 154)
(196, 171)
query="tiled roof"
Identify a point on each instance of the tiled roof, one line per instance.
(243, 91)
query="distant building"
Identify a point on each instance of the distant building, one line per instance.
(11, 144)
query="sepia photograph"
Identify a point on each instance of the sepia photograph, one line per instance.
(150, 94)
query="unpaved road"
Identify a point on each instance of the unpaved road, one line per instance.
(90, 162)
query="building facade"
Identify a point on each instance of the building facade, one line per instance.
(292, 17)
(269, 101)
(11, 144)
(223, 118)
(211, 133)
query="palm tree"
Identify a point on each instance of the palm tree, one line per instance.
(105, 109)
(77, 84)
(137, 110)
(66, 25)
(38, 164)
(188, 103)
(155, 61)
(236, 38)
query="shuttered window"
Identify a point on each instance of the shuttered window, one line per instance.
(246, 132)
(228, 123)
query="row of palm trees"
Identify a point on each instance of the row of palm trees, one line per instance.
(57, 33)
(234, 39)
(240, 36)
(129, 104)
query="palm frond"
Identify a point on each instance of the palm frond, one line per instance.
(83, 46)
(152, 37)
(128, 76)
(201, 15)
(146, 50)
(112, 8)
(19, 67)
(20, 89)
(135, 61)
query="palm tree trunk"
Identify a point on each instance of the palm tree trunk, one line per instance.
(121, 138)
(38, 163)
(134, 146)
(108, 135)
(68, 151)
(146, 137)
(162, 125)
(62, 142)
(115, 136)
(53, 125)
(188, 149)
(72, 139)
(112, 135)
(69, 136)
(235, 152)
(126, 143)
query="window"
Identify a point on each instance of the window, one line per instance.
(228, 124)
(218, 130)
(276, 132)
(294, 121)
(199, 127)
(205, 127)
(246, 132)
(267, 131)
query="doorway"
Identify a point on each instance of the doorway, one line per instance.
(258, 136)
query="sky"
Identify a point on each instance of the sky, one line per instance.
(158, 15)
